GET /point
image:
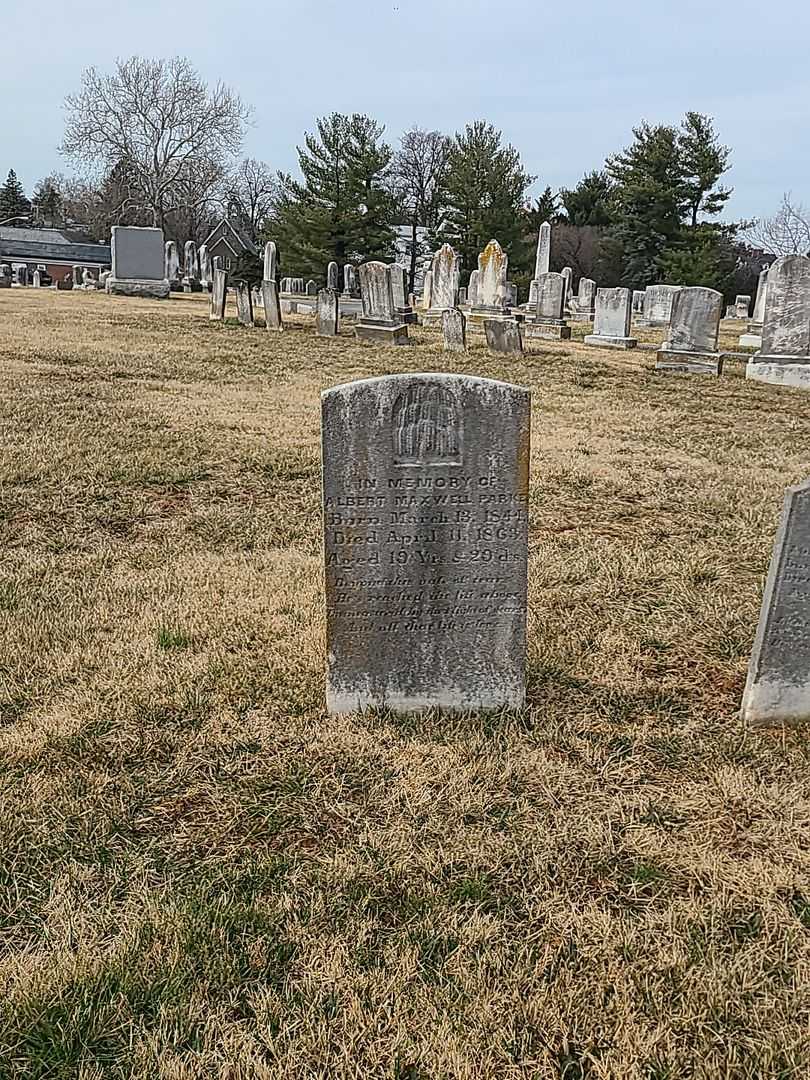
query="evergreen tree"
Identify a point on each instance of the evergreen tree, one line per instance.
(13, 202)
(704, 255)
(591, 201)
(485, 190)
(343, 210)
(545, 208)
(46, 203)
(704, 162)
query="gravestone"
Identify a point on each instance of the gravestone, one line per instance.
(753, 336)
(504, 336)
(462, 296)
(444, 278)
(398, 287)
(694, 327)
(78, 273)
(191, 279)
(379, 321)
(272, 306)
(138, 263)
(568, 274)
(583, 304)
(172, 267)
(425, 486)
(88, 281)
(332, 276)
(611, 321)
(311, 288)
(454, 330)
(427, 291)
(658, 301)
(493, 263)
(6, 274)
(547, 318)
(777, 690)
(742, 307)
(219, 295)
(270, 261)
(244, 303)
(541, 261)
(472, 289)
(204, 260)
(327, 313)
(784, 357)
(638, 301)
(349, 282)
(36, 280)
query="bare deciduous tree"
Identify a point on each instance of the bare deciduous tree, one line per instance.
(786, 233)
(417, 177)
(161, 118)
(251, 192)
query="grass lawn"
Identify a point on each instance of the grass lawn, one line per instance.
(204, 876)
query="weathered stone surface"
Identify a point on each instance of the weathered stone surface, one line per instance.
(611, 321)
(219, 294)
(638, 301)
(742, 306)
(36, 279)
(311, 288)
(786, 329)
(444, 279)
(543, 255)
(138, 263)
(694, 323)
(172, 265)
(548, 330)
(77, 272)
(504, 336)
(244, 303)
(762, 294)
(88, 281)
(332, 276)
(272, 306)
(204, 259)
(398, 286)
(778, 687)
(427, 291)
(658, 301)
(425, 513)
(568, 274)
(191, 274)
(472, 289)
(550, 302)
(350, 287)
(493, 263)
(270, 268)
(689, 363)
(586, 297)
(327, 313)
(377, 293)
(454, 330)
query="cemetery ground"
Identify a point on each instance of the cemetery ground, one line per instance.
(203, 875)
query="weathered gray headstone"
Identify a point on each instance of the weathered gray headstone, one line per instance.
(398, 288)
(785, 353)
(427, 291)
(88, 281)
(311, 288)
(349, 281)
(270, 261)
(638, 301)
(191, 275)
(425, 481)
(204, 259)
(332, 276)
(327, 313)
(219, 295)
(504, 336)
(694, 327)
(454, 330)
(546, 320)
(272, 306)
(472, 289)
(6, 274)
(380, 321)
(541, 260)
(752, 338)
(444, 277)
(493, 263)
(611, 321)
(77, 272)
(244, 303)
(138, 263)
(171, 270)
(658, 300)
(742, 306)
(35, 279)
(568, 274)
(778, 686)
(582, 306)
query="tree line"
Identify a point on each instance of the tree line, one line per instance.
(159, 146)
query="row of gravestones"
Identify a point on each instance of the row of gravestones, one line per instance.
(425, 511)
(79, 277)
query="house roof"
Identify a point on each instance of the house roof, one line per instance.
(51, 245)
(226, 231)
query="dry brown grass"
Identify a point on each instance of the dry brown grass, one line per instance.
(202, 875)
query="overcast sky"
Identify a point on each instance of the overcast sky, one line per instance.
(565, 82)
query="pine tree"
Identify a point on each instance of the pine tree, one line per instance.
(704, 162)
(13, 203)
(485, 191)
(591, 201)
(343, 210)
(546, 207)
(46, 203)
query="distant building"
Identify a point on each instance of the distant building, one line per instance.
(56, 251)
(228, 243)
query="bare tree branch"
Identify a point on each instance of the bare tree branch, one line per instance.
(786, 233)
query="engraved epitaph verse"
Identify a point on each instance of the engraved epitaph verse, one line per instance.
(425, 530)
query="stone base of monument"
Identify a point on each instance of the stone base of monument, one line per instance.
(780, 370)
(751, 341)
(408, 316)
(381, 333)
(156, 290)
(656, 323)
(581, 316)
(192, 286)
(611, 342)
(689, 363)
(432, 317)
(549, 329)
